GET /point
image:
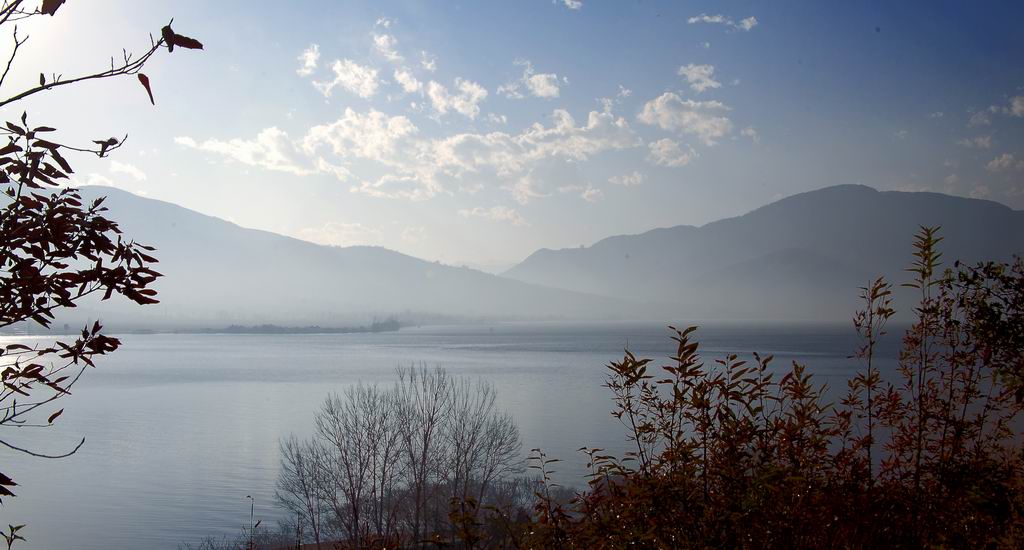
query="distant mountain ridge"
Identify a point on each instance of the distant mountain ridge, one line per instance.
(802, 257)
(217, 273)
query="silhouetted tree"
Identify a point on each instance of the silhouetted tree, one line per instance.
(385, 464)
(56, 249)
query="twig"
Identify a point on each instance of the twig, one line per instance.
(40, 455)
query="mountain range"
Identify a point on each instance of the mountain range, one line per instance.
(217, 273)
(800, 258)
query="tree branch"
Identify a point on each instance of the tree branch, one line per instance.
(40, 455)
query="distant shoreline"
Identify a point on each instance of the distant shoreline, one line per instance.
(390, 325)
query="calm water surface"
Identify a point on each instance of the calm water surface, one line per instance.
(180, 428)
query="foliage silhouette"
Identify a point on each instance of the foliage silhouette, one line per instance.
(728, 455)
(56, 249)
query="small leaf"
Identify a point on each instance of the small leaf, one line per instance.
(168, 36)
(145, 84)
(54, 416)
(42, 79)
(50, 6)
(186, 42)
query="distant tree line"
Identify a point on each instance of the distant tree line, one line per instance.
(388, 325)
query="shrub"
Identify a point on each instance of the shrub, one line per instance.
(727, 455)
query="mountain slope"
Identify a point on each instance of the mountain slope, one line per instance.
(802, 257)
(217, 273)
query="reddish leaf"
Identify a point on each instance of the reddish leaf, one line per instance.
(168, 36)
(145, 84)
(50, 6)
(186, 42)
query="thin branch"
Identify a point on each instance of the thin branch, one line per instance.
(98, 152)
(11, 10)
(132, 67)
(40, 455)
(14, 52)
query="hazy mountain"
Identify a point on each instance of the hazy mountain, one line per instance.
(217, 273)
(802, 257)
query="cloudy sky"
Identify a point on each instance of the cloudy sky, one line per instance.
(477, 132)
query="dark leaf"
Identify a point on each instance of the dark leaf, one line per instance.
(50, 6)
(54, 416)
(168, 36)
(186, 42)
(145, 84)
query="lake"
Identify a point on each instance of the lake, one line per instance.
(180, 428)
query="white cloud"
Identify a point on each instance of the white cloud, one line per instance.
(373, 136)
(353, 77)
(494, 213)
(1016, 107)
(592, 194)
(340, 234)
(667, 152)
(496, 118)
(272, 149)
(129, 169)
(699, 118)
(308, 60)
(718, 19)
(428, 61)
(979, 142)
(628, 180)
(747, 23)
(510, 90)
(385, 156)
(751, 133)
(525, 188)
(542, 85)
(937, 114)
(93, 179)
(465, 101)
(514, 154)
(624, 92)
(385, 46)
(408, 82)
(383, 22)
(571, 4)
(700, 77)
(1004, 162)
(414, 234)
(981, 118)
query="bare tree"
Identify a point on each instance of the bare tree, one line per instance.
(356, 432)
(299, 483)
(386, 465)
(424, 401)
(481, 444)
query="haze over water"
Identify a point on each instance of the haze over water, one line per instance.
(180, 428)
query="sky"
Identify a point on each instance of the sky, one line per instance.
(478, 132)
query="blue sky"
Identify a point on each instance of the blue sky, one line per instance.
(477, 132)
